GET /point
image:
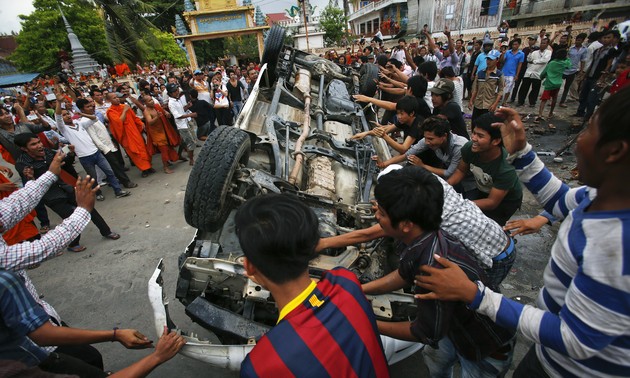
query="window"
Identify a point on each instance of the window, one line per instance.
(362, 28)
(450, 11)
(375, 24)
(489, 7)
(369, 27)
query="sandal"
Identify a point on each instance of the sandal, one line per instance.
(44, 229)
(538, 119)
(113, 236)
(77, 248)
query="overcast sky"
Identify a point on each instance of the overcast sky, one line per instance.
(10, 9)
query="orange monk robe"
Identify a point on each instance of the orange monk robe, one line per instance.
(129, 135)
(122, 69)
(24, 229)
(161, 133)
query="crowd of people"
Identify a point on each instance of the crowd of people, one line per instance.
(448, 209)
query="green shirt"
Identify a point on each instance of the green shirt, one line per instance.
(553, 73)
(493, 174)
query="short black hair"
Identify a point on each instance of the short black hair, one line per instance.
(447, 71)
(21, 140)
(278, 234)
(402, 40)
(395, 62)
(437, 125)
(408, 104)
(418, 60)
(418, 86)
(429, 69)
(614, 124)
(581, 36)
(94, 90)
(485, 122)
(381, 60)
(193, 93)
(560, 54)
(81, 103)
(411, 194)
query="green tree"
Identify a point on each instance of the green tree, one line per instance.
(242, 46)
(127, 30)
(333, 23)
(44, 35)
(166, 48)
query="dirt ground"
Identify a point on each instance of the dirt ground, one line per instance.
(106, 285)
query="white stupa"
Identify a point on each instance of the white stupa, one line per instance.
(81, 60)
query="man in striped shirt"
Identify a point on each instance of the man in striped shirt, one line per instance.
(325, 328)
(581, 327)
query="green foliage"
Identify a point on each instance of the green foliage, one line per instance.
(166, 48)
(164, 11)
(209, 50)
(43, 35)
(333, 23)
(241, 47)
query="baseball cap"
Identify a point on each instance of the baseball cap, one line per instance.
(443, 86)
(533, 37)
(171, 87)
(505, 43)
(444, 47)
(197, 72)
(494, 55)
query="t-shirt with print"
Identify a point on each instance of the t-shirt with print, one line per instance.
(493, 174)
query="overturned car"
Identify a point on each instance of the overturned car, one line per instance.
(292, 137)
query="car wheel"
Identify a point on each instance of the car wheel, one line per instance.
(207, 202)
(367, 76)
(273, 46)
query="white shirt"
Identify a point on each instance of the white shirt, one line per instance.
(537, 62)
(78, 136)
(177, 110)
(399, 54)
(427, 96)
(98, 133)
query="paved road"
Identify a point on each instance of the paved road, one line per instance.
(106, 286)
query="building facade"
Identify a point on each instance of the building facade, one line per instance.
(388, 16)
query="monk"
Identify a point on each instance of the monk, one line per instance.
(127, 128)
(162, 134)
(25, 229)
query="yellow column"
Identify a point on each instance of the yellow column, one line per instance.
(261, 44)
(191, 53)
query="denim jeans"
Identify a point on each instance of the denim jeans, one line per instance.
(440, 362)
(500, 270)
(237, 106)
(90, 163)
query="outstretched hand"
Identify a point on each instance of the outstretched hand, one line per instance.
(85, 193)
(449, 283)
(133, 339)
(525, 226)
(512, 130)
(57, 162)
(168, 345)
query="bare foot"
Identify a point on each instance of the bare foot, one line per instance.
(191, 162)
(550, 116)
(168, 171)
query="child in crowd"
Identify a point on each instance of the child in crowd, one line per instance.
(552, 74)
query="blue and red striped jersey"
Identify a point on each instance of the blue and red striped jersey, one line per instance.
(332, 333)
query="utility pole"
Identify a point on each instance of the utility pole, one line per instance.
(304, 5)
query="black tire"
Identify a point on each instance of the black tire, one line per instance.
(206, 203)
(367, 74)
(271, 52)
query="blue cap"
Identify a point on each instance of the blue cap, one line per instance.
(494, 55)
(197, 72)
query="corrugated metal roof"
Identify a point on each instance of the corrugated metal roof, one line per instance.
(12, 80)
